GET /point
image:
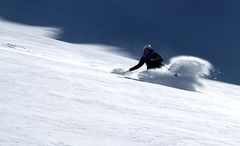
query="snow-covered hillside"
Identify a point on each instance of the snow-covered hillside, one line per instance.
(55, 93)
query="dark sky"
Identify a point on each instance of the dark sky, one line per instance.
(209, 29)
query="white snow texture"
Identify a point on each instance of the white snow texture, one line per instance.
(55, 93)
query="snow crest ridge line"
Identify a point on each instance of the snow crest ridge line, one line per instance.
(23, 50)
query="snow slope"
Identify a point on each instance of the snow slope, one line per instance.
(55, 93)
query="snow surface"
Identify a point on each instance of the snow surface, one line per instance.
(55, 93)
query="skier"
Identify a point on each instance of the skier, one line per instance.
(150, 57)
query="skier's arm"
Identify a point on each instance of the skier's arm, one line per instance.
(140, 64)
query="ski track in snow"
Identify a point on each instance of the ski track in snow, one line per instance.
(59, 94)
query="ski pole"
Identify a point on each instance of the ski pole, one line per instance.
(125, 72)
(175, 74)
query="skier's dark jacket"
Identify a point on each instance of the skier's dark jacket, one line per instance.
(152, 60)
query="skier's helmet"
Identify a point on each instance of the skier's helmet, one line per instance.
(148, 46)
